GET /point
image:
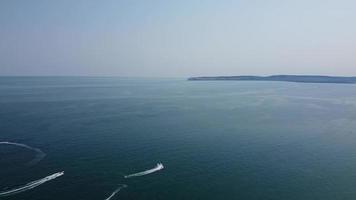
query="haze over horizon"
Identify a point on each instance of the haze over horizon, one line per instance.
(177, 38)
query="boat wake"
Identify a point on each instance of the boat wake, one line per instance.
(39, 154)
(31, 185)
(158, 167)
(121, 186)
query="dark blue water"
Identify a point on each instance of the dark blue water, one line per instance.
(217, 140)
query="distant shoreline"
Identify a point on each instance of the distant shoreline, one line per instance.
(286, 78)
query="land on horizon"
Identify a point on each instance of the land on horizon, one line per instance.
(287, 78)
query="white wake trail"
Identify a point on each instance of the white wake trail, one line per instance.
(116, 191)
(31, 185)
(39, 154)
(158, 167)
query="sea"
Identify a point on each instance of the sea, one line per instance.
(217, 140)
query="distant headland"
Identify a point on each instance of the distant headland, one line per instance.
(288, 78)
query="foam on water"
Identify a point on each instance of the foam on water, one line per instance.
(39, 154)
(116, 191)
(158, 167)
(31, 185)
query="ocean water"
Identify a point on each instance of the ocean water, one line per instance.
(216, 140)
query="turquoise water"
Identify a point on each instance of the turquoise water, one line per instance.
(217, 140)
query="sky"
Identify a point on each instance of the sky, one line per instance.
(177, 38)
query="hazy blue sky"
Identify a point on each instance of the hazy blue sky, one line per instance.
(177, 37)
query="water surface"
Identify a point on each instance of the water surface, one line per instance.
(217, 140)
